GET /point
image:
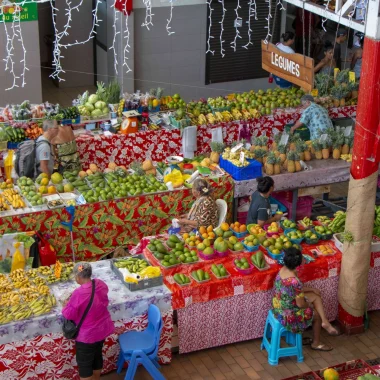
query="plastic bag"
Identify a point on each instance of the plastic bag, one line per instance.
(8, 164)
(175, 177)
(18, 260)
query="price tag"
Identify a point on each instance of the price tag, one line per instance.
(323, 138)
(284, 139)
(236, 147)
(348, 131)
(351, 77)
(314, 92)
(57, 269)
(242, 157)
(336, 72)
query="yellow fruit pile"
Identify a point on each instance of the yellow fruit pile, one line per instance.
(12, 197)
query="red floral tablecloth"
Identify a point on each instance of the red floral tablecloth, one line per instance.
(100, 227)
(51, 357)
(123, 149)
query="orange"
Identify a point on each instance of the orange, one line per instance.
(237, 224)
(205, 236)
(51, 190)
(185, 236)
(202, 230)
(225, 226)
(209, 229)
(236, 229)
(243, 228)
(211, 235)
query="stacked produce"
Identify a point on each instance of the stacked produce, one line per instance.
(29, 191)
(376, 228)
(338, 223)
(94, 106)
(258, 260)
(219, 270)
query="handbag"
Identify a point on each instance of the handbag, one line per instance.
(69, 328)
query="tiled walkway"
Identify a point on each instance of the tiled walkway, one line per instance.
(244, 361)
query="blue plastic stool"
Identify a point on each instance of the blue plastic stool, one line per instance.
(142, 347)
(272, 337)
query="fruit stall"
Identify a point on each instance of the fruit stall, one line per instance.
(31, 341)
(223, 272)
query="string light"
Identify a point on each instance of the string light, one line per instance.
(17, 22)
(115, 34)
(251, 13)
(169, 20)
(148, 14)
(325, 19)
(279, 3)
(268, 19)
(237, 33)
(222, 28)
(127, 36)
(209, 28)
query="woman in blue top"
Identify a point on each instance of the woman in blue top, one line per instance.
(288, 40)
(356, 63)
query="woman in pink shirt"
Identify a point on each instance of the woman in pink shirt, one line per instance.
(97, 325)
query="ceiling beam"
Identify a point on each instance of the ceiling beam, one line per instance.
(330, 15)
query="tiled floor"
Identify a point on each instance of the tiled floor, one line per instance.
(244, 361)
(63, 96)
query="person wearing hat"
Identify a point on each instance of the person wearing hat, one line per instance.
(315, 117)
(340, 38)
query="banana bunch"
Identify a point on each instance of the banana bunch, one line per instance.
(10, 299)
(337, 225)
(4, 206)
(346, 157)
(377, 216)
(42, 305)
(45, 270)
(236, 114)
(20, 312)
(23, 283)
(29, 294)
(43, 289)
(150, 272)
(202, 120)
(238, 163)
(32, 273)
(14, 198)
(39, 281)
(323, 219)
(219, 117)
(5, 317)
(307, 222)
(254, 113)
(210, 118)
(5, 286)
(227, 116)
(246, 115)
(18, 275)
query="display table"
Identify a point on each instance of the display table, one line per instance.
(35, 348)
(124, 149)
(100, 227)
(234, 309)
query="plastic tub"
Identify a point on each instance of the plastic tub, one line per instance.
(324, 236)
(245, 271)
(252, 171)
(304, 205)
(199, 282)
(311, 241)
(270, 234)
(207, 257)
(239, 235)
(251, 249)
(275, 257)
(222, 254)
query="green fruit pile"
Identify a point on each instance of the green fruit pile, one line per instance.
(288, 223)
(133, 264)
(311, 236)
(198, 108)
(200, 275)
(219, 270)
(181, 279)
(161, 253)
(242, 263)
(295, 235)
(224, 234)
(29, 191)
(258, 260)
(100, 188)
(183, 254)
(251, 241)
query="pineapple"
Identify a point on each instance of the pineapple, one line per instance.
(291, 161)
(326, 149)
(317, 149)
(217, 149)
(300, 149)
(297, 163)
(282, 151)
(277, 165)
(101, 91)
(270, 162)
(259, 154)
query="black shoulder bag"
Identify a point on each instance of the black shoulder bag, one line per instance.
(70, 329)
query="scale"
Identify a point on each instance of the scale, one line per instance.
(131, 122)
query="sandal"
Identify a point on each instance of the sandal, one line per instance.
(322, 347)
(307, 341)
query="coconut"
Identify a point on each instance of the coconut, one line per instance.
(93, 168)
(147, 165)
(112, 166)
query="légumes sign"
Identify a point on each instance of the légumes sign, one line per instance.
(294, 68)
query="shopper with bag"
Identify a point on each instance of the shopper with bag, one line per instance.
(88, 321)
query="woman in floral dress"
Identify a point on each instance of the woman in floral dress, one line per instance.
(297, 307)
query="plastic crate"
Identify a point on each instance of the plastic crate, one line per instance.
(70, 121)
(179, 123)
(143, 284)
(220, 109)
(304, 206)
(303, 132)
(12, 145)
(305, 376)
(252, 171)
(350, 370)
(281, 207)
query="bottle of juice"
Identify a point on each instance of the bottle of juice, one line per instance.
(18, 261)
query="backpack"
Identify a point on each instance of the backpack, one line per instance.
(26, 163)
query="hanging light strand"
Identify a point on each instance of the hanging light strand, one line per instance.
(169, 20)
(115, 34)
(269, 35)
(209, 37)
(17, 21)
(237, 20)
(279, 3)
(127, 36)
(224, 10)
(148, 14)
(252, 13)
(325, 19)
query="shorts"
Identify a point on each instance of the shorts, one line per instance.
(89, 357)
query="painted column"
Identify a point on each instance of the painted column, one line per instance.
(353, 282)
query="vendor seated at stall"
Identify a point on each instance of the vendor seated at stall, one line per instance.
(204, 211)
(44, 152)
(65, 149)
(297, 307)
(260, 211)
(314, 116)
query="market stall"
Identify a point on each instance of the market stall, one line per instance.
(159, 144)
(101, 226)
(35, 347)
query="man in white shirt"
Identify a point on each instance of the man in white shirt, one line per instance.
(44, 152)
